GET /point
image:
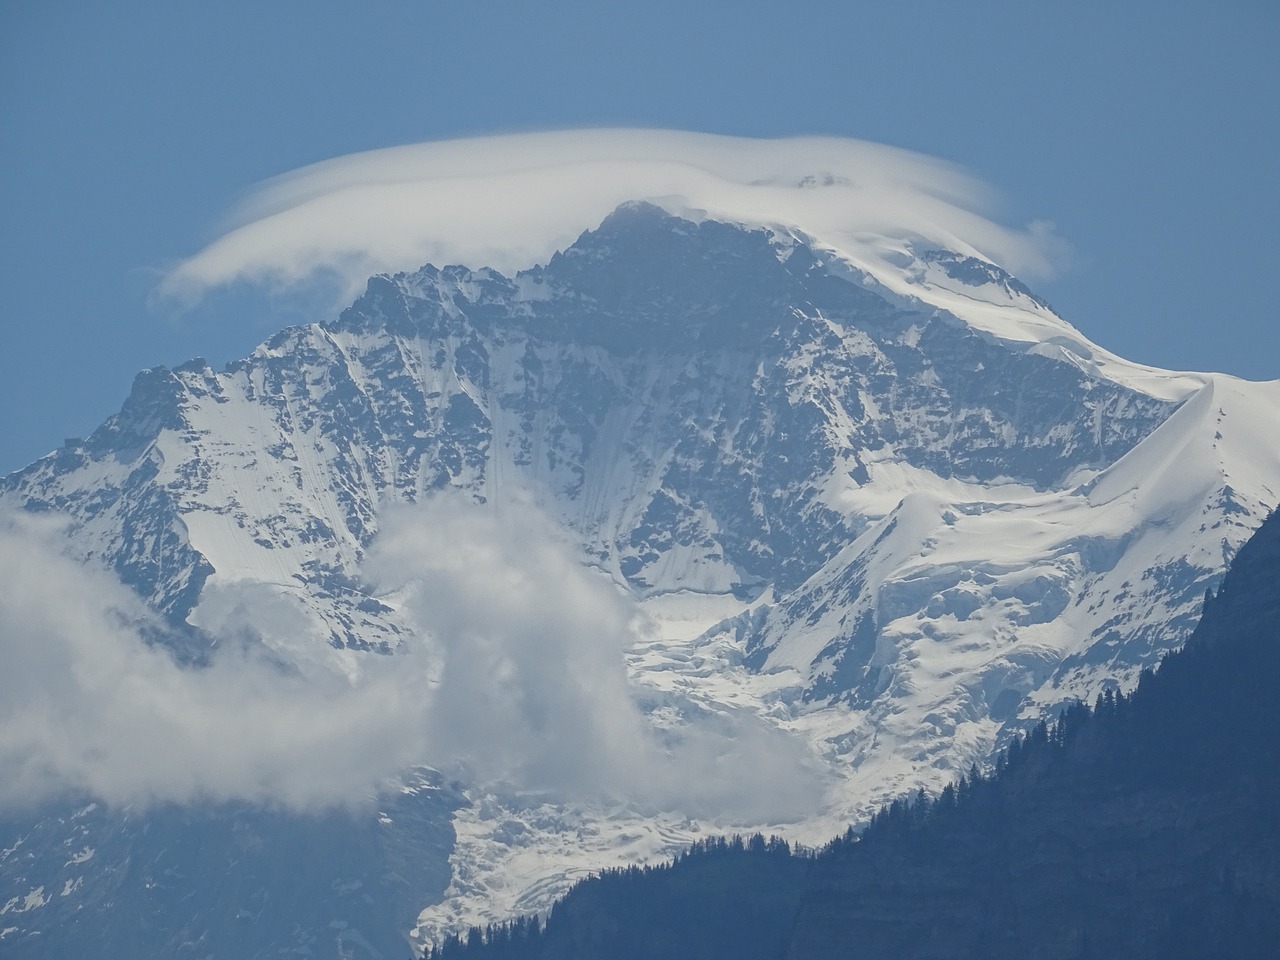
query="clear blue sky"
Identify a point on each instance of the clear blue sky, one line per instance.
(1148, 134)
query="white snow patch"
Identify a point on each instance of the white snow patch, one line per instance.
(82, 856)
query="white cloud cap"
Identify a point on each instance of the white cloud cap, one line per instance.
(511, 201)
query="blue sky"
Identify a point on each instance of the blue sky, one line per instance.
(129, 130)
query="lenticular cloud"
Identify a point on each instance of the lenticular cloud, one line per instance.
(509, 202)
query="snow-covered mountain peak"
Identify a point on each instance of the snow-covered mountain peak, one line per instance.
(885, 505)
(648, 255)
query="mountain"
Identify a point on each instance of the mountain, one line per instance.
(892, 510)
(1148, 827)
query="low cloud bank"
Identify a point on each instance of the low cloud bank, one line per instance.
(517, 678)
(87, 705)
(509, 202)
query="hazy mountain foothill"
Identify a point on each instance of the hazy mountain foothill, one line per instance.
(702, 529)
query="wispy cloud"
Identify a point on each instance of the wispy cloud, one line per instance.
(518, 678)
(511, 201)
(86, 704)
(533, 689)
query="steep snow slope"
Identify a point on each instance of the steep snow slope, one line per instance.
(955, 619)
(892, 506)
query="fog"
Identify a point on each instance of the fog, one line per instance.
(515, 677)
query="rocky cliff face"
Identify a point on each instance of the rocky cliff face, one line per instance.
(895, 517)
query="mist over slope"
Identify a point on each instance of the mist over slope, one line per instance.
(1147, 827)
